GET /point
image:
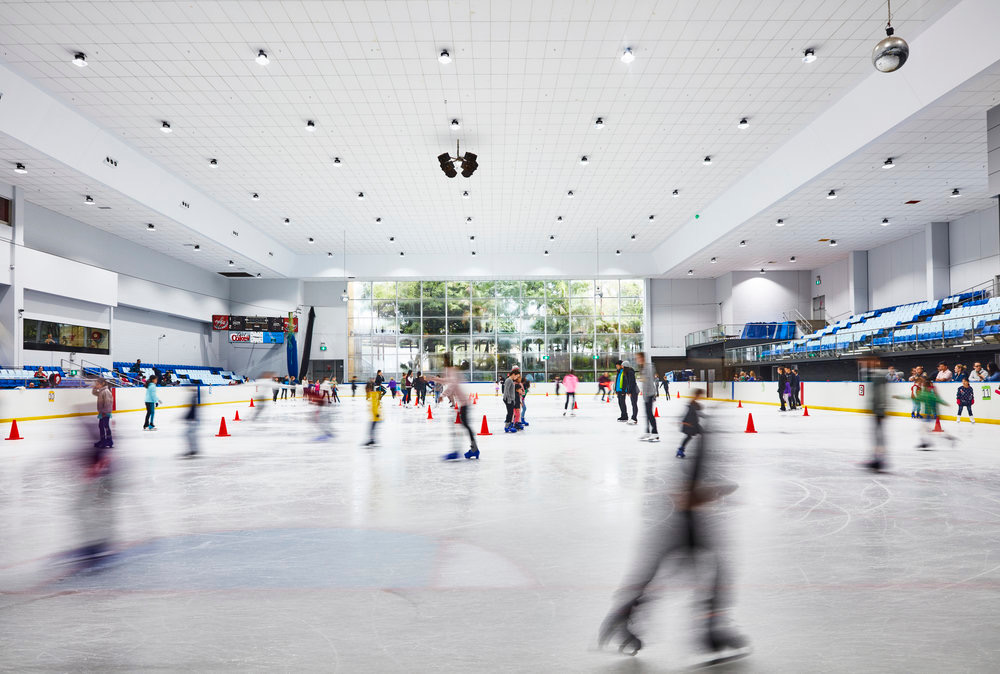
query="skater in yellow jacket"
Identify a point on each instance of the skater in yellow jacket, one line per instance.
(374, 397)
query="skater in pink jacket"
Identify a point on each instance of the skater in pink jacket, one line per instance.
(570, 381)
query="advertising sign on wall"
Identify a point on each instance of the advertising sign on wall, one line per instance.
(256, 337)
(254, 323)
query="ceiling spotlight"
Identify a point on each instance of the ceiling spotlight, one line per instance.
(779, 223)
(791, 259)
(675, 194)
(402, 254)
(444, 56)
(361, 196)
(446, 165)
(196, 247)
(468, 219)
(469, 164)
(808, 56)
(713, 260)
(584, 160)
(558, 218)
(150, 227)
(891, 52)
(832, 194)
(618, 252)
(262, 58)
(690, 272)
(336, 161)
(329, 254)
(833, 243)
(465, 194)
(89, 200)
(762, 272)
(887, 164)
(599, 123)
(255, 197)
(545, 253)
(632, 237)
(287, 221)
(652, 217)
(455, 126)
(885, 221)
(954, 193)
(627, 55)
(258, 274)
(472, 237)
(392, 238)
(473, 252)
(743, 244)
(378, 219)
(744, 124)
(231, 263)
(80, 59)
(552, 237)
(20, 168)
(343, 295)
(706, 161)
(312, 240)
(310, 125)
(213, 163)
(569, 195)
(165, 127)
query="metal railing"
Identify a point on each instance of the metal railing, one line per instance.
(716, 333)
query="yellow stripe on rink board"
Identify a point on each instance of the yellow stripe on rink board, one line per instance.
(852, 410)
(94, 414)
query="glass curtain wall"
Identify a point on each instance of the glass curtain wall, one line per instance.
(488, 327)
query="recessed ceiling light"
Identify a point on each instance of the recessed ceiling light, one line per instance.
(652, 217)
(89, 200)
(258, 274)
(165, 127)
(465, 194)
(599, 123)
(833, 242)
(196, 247)
(955, 193)
(329, 254)
(552, 237)
(569, 195)
(545, 253)
(469, 219)
(832, 194)
(779, 223)
(472, 237)
(80, 59)
(392, 238)
(473, 252)
(744, 124)
(584, 160)
(885, 221)
(288, 221)
(675, 194)
(743, 244)
(336, 161)
(444, 56)
(762, 272)
(627, 55)
(558, 218)
(255, 197)
(150, 227)
(690, 272)
(310, 125)
(402, 254)
(231, 263)
(632, 237)
(808, 56)
(791, 259)
(262, 58)
(213, 163)
(618, 252)
(706, 161)
(312, 240)
(713, 260)
(455, 125)
(887, 164)
(361, 196)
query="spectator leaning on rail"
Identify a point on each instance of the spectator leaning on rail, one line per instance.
(943, 373)
(977, 373)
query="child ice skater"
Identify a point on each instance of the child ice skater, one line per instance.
(104, 404)
(451, 383)
(965, 397)
(374, 397)
(691, 424)
(570, 381)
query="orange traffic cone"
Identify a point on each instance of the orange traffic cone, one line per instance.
(678, 395)
(223, 433)
(14, 435)
(546, 394)
(237, 417)
(740, 406)
(574, 403)
(458, 417)
(251, 402)
(937, 426)
(400, 401)
(476, 401)
(485, 430)
(750, 427)
(656, 412)
(429, 415)
(805, 411)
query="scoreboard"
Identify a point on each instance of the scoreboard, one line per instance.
(254, 323)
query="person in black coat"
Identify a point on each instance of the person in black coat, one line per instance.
(626, 385)
(795, 382)
(782, 383)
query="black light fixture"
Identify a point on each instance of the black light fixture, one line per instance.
(262, 58)
(402, 254)
(391, 239)
(887, 164)
(329, 254)
(336, 161)
(832, 194)
(743, 243)
(465, 194)
(707, 160)
(570, 195)
(310, 125)
(444, 56)
(213, 163)
(762, 272)
(779, 223)
(165, 127)
(599, 123)
(885, 222)
(652, 217)
(808, 56)
(361, 196)
(150, 227)
(584, 160)
(469, 219)
(632, 237)
(955, 193)
(80, 59)
(472, 237)
(255, 197)
(473, 252)
(378, 219)
(455, 125)
(552, 237)
(89, 200)
(231, 263)
(196, 247)
(258, 274)
(891, 52)
(545, 253)
(469, 162)
(833, 243)
(713, 260)
(312, 240)
(558, 218)
(744, 124)
(690, 272)
(618, 252)
(791, 259)
(627, 55)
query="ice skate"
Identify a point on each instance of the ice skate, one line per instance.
(451, 457)
(653, 437)
(723, 645)
(472, 453)
(617, 624)
(680, 453)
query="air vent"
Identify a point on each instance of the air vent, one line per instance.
(912, 201)
(235, 274)
(104, 208)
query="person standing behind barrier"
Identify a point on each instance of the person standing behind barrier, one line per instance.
(570, 381)
(782, 384)
(794, 385)
(104, 405)
(649, 387)
(965, 397)
(152, 400)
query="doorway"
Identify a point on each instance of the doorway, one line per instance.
(819, 308)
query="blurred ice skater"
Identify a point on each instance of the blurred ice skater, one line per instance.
(94, 505)
(374, 397)
(876, 379)
(192, 425)
(682, 533)
(451, 384)
(104, 404)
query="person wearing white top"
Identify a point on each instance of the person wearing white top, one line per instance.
(977, 373)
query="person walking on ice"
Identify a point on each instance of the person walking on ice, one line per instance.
(691, 424)
(647, 376)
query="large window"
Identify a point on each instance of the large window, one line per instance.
(49, 336)
(488, 327)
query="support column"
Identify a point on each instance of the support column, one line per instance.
(938, 257)
(857, 281)
(12, 338)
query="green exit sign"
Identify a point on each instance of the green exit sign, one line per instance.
(545, 357)
(73, 373)
(322, 347)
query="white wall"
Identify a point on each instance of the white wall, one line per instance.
(135, 333)
(975, 249)
(263, 297)
(835, 287)
(676, 308)
(331, 318)
(897, 272)
(767, 298)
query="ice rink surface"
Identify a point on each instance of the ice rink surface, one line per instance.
(275, 551)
